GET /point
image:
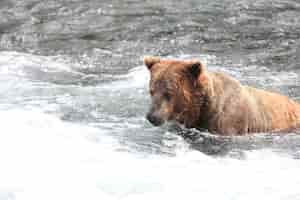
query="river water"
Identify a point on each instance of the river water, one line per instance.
(74, 93)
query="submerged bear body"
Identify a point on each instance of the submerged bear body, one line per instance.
(185, 92)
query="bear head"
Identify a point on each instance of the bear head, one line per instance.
(178, 90)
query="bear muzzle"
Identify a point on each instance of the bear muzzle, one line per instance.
(154, 119)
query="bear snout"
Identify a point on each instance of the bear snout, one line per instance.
(154, 119)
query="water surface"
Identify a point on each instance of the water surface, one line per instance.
(74, 93)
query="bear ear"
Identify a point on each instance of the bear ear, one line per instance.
(195, 69)
(150, 61)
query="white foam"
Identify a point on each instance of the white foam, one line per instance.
(15, 63)
(137, 78)
(44, 158)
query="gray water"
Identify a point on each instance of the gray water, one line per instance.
(74, 93)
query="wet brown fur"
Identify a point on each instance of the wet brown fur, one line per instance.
(215, 101)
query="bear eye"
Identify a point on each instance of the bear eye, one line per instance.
(167, 96)
(151, 92)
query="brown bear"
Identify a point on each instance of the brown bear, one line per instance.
(185, 92)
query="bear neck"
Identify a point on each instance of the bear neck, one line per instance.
(224, 93)
(205, 100)
(214, 97)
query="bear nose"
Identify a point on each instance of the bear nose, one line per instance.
(153, 119)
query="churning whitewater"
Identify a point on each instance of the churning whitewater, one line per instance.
(62, 138)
